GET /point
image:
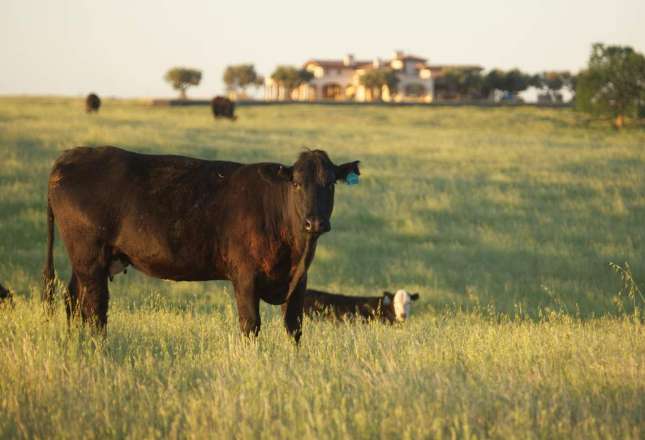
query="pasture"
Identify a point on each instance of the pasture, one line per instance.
(505, 220)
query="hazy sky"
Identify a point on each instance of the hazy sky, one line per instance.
(123, 47)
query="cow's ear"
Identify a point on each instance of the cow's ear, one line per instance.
(414, 296)
(344, 170)
(273, 173)
(387, 298)
(285, 173)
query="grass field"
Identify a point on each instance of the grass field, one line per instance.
(504, 219)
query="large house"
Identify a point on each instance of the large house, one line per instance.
(341, 80)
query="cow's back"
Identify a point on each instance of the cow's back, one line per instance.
(160, 208)
(116, 179)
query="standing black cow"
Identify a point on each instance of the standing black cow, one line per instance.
(180, 218)
(92, 103)
(223, 108)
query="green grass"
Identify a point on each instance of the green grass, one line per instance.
(505, 220)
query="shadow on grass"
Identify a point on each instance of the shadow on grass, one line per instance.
(540, 253)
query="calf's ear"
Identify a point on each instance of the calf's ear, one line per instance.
(414, 296)
(344, 170)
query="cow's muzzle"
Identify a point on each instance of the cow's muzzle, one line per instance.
(317, 226)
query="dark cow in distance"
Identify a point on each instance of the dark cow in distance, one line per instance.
(223, 108)
(6, 298)
(180, 218)
(388, 308)
(92, 103)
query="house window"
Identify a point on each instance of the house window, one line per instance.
(332, 91)
(415, 89)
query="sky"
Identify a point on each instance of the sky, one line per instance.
(122, 48)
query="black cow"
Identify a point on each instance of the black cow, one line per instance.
(6, 298)
(92, 103)
(223, 108)
(387, 308)
(180, 218)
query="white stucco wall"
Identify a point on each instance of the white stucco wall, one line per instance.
(343, 77)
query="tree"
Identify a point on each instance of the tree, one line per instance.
(182, 77)
(552, 82)
(470, 84)
(290, 77)
(513, 81)
(493, 80)
(613, 83)
(459, 83)
(375, 79)
(241, 76)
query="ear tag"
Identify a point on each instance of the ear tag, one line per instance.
(352, 178)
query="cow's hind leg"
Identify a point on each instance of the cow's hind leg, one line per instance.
(88, 254)
(71, 299)
(93, 297)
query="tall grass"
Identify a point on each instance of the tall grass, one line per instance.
(506, 221)
(168, 373)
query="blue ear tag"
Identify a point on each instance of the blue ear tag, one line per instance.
(352, 178)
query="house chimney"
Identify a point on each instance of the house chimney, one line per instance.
(398, 54)
(348, 59)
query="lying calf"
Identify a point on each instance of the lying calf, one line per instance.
(387, 308)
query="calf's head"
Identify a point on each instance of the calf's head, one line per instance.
(311, 189)
(398, 304)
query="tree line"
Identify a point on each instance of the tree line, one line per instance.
(471, 84)
(612, 84)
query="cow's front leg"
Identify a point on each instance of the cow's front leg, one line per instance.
(248, 306)
(293, 310)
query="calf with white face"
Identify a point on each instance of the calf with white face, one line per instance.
(400, 302)
(388, 308)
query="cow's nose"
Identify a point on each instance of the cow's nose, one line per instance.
(316, 225)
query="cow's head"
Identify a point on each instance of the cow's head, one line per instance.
(399, 303)
(311, 183)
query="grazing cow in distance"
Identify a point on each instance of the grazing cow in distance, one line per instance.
(387, 308)
(223, 108)
(92, 103)
(6, 298)
(179, 218)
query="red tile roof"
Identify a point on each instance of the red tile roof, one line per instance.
(412, 58)
(334, 64)
(455, 66)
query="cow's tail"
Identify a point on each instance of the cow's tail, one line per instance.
(49, 276)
